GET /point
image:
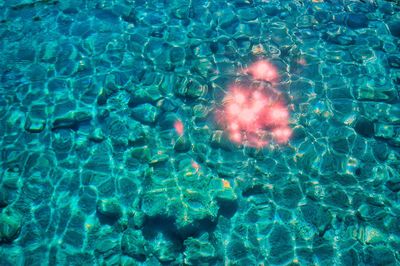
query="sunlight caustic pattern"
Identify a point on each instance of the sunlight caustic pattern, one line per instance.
(255, 116)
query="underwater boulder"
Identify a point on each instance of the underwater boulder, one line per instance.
(166, 249)
(280, 241)
(72, 119)
(356, 21)
(149, 94)
(33, 125)
(394, 28)
(109, 208)
(10, 225)
(182, 144)
(199, 251)
(145, 113)
(394, 61)
(379, 255)
(393, 185)
(134, 245)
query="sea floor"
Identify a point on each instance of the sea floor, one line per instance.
(116, 148)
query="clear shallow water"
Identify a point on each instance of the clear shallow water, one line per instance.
(95, 171)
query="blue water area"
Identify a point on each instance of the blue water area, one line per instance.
(111, 153)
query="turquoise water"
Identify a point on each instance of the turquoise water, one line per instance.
(112, 153)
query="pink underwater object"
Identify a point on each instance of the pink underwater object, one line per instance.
(255, 116)
(263, 70)
(178, 125)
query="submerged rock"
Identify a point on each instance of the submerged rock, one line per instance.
(281, 244)
(5, 197)
(190, 88)
(199, 251)
(148, 94)
(357, 21)
(110, 208)
(339, 35)
(219, 139)
(369, 212)
(165, 249)
(11, 179)
(145, 113)
(364, 127)
(317, 215)
(384, 131)
(97, 135)
(180, 9)
(394, 61)
(363, 54)
(134, 245)
(141, 153)
(379, 255)
(72, 119)
(374, 236)
(288, 195)
(394, 28)
(182, 144)
(187, 211)
(10, 225)
(34, 125)
(225, 196)
(394, 184)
